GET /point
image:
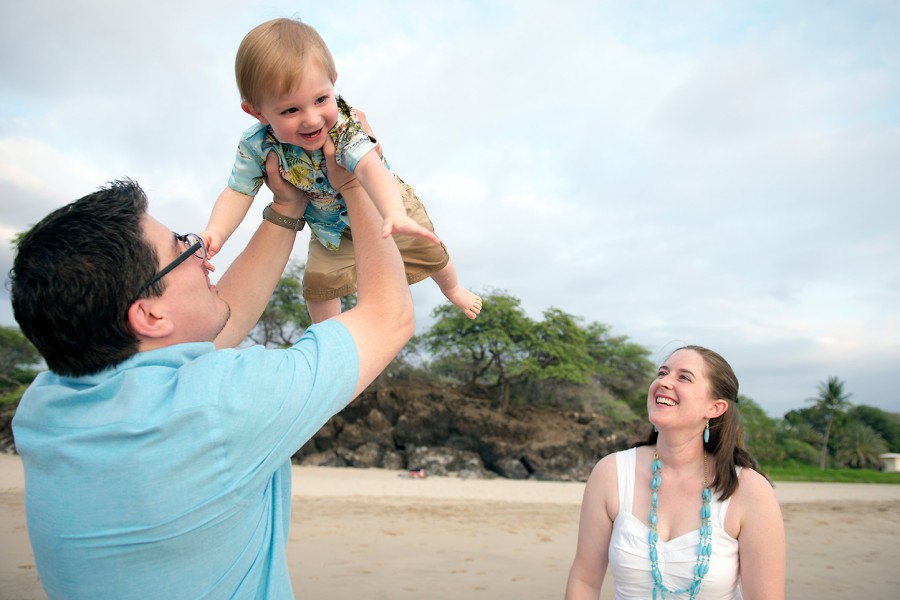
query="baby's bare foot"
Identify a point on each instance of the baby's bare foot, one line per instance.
(465, 301)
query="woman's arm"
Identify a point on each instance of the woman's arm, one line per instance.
(594, 532)
(761, 540)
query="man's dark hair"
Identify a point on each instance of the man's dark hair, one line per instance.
(75, 274)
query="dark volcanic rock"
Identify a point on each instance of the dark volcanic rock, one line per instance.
(416, 426)
(403, 425)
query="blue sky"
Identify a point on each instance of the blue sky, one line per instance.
(720, 173)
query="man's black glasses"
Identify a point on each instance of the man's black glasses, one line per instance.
(195, 247)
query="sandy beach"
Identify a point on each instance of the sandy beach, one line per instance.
(374, 534)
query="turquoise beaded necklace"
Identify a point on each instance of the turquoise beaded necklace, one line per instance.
(704, 549)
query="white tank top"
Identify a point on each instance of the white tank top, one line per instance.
(629, 550)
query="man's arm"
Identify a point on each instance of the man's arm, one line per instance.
(382, 321)
(249, 282)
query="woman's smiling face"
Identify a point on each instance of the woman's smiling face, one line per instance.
(680, 388)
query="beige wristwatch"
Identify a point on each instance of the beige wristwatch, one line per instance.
(271, 216)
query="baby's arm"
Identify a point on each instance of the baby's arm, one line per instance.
(382, 189)
(230, 209)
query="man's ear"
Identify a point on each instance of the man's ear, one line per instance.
(147, 321)
(248, 108)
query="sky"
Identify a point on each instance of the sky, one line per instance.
(714, 173)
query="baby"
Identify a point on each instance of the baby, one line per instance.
(286, 76)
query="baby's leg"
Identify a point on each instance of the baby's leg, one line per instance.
(320, 310)
(464, 300)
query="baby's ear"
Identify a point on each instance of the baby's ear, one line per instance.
(248, 108)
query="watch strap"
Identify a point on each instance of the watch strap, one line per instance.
(271, 216)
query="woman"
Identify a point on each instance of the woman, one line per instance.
(686, 514)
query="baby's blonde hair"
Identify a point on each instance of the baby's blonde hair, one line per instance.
(271, 59)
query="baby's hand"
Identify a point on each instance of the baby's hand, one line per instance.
(403, 225)
(213, 242)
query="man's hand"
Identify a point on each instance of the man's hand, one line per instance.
(340, 178)
(289, 200)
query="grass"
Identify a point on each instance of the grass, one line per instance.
(10, 398)
(835, 475)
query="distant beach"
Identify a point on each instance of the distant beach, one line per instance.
(371, 533)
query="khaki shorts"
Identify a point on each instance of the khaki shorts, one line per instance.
(332, 273)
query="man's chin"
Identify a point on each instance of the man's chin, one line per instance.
(225, 318)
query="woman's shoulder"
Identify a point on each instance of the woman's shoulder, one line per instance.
(602, 486)
(753, 508)
(606, 468)
(753, 489)
(753, 481)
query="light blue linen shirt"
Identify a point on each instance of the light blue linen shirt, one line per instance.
(168, 475)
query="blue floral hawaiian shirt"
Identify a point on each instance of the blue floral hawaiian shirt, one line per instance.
(326, 212)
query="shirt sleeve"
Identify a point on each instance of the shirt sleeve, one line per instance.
(350, 140)
(249, 169)
(271, 402)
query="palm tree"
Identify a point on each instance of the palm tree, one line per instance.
(831, 400)
(859, 446)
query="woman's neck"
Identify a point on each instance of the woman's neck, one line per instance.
(681, 453)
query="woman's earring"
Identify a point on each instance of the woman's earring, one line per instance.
(706, 434)
(655, 430)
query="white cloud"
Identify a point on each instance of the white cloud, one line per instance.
(703, 174)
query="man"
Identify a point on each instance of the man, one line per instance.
(157, 456)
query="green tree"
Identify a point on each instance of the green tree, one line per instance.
(18, 358)
(831, 401)
(557, 359)
(887, 424)
(563, 367)
(811, 416)
(859, 446)
(798, 451)
(491, 348)
(761, 432)
(286, 317)
(19, 362)
(620, 366)
(559, 349)
(799, 436)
